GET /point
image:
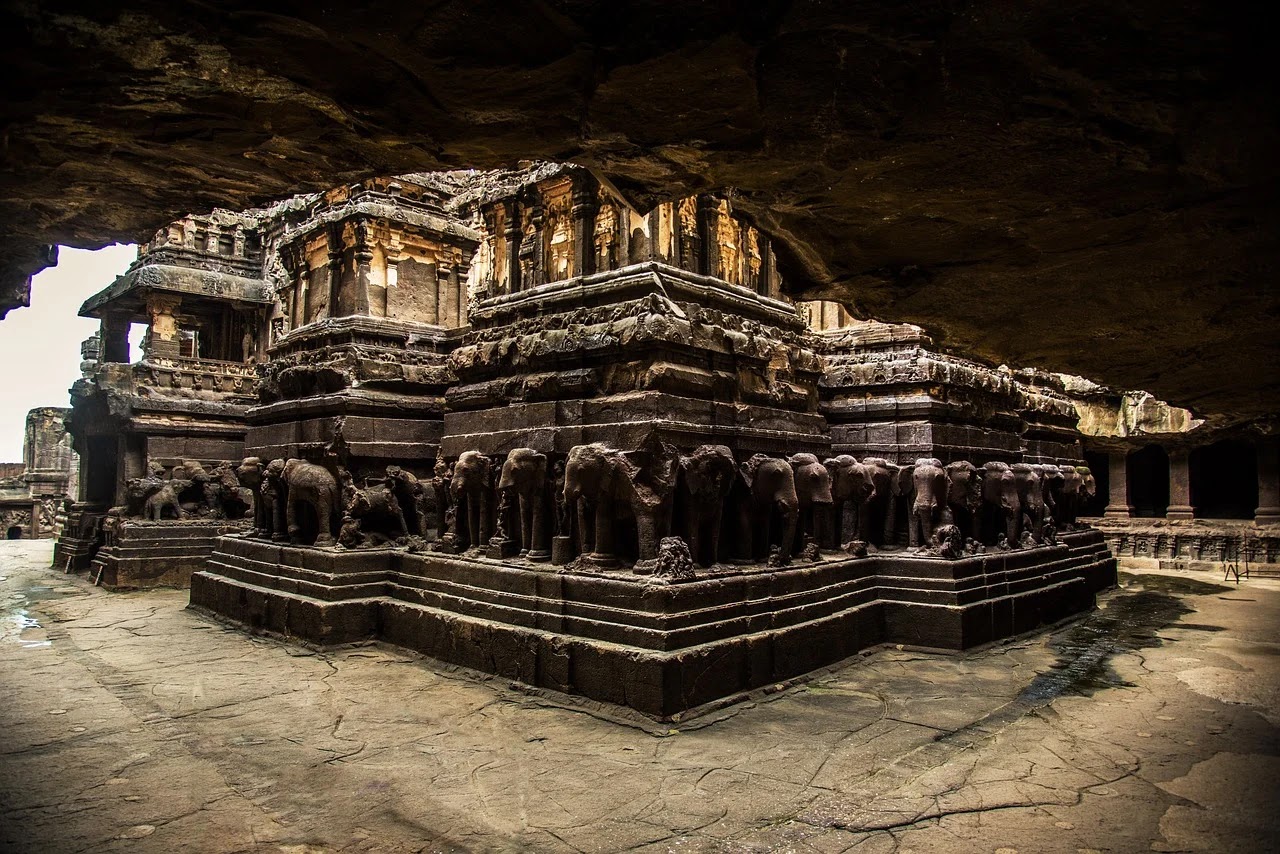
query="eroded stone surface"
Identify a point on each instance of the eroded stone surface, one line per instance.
(133, 724)
(1079, 185)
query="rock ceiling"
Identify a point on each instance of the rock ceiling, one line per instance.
(1084, 185)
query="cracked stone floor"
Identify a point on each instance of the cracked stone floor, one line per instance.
(128, 723)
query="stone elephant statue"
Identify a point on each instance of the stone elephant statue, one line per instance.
(300, 482)
(151, 497)
(600, 477)
(813, 491)
(852, 488)
(1001, 505)
(708, 475)
(471, 486)
(1031, 498)
(1051, 481)
(524, 474)
(928, 500)
(409, 493)
(964, 497)
(885, 499)
(770, 489)
(252, 475)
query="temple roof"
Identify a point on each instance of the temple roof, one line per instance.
(129, 291)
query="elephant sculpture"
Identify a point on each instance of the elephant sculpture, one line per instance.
(770, 488)
(150, 497)
(441, 485)
(524, 474)
(929, 498)
(1050, 488)
(852, 488)
(964, 497)
(1031, 498)
(884, 499)
(813, 491)
(471, 484)
(1067, 494)
(237, 501)
(600, 477)
(300, 482)
(708, 475)
(252, 475)
(408, 491)
(1001, 504)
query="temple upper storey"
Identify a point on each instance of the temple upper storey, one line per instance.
(567, 224)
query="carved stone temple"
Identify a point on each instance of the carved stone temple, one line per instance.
(506, 420)
(33, 492)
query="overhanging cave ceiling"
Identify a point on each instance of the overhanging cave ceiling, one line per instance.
(1083, 185)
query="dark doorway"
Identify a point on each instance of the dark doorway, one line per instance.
(1224, 480)
(14, 533)
(1149, 482)
(1100, 465)
(100, 470)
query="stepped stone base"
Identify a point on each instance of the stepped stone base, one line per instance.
(158, 554)
(662, 649)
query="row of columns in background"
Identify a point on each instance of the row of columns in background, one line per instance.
(1268, 512)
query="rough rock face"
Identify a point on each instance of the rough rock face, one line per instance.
(1084, 185)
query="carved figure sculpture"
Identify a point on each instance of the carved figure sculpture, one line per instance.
(470, 486)
(813, 489)
(948, 542)
(311, 485)
(770, 487)
(524, 474)
(201, 493)
(929, 489)
(1050, 488)
(708, 474)
(378, 512)
(964, 496)
(1000, 501)
(599, 476)
(237, 501)
(852, 487)
(1031, 497)
(251, 475)
(674, 560)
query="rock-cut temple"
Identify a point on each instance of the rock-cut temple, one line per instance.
(508, 421)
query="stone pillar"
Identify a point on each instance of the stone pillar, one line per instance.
(34, 531)
(363, 256)
(1179, 486)
(162, 342)
(446, 293)
(765, 285)
(461, 271)
(538, 267)
(333, 307)
(1118, 506)
(584, 230)
(114, 335)
(1268, 512)
(514, 237)
(708, 228)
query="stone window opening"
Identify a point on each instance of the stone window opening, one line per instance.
(189, 343)
(14, 533)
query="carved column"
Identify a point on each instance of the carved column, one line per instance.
(458, 280)
(584, 229)
(513, 236)
(708, 234)
(1179, 486)
(1118, 506)
(162, 341)
(114, 335)
(363, 256)
(446, 293)
(332, 309)
(531, 248)
(1268, 512)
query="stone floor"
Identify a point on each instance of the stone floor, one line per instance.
(130, 724)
